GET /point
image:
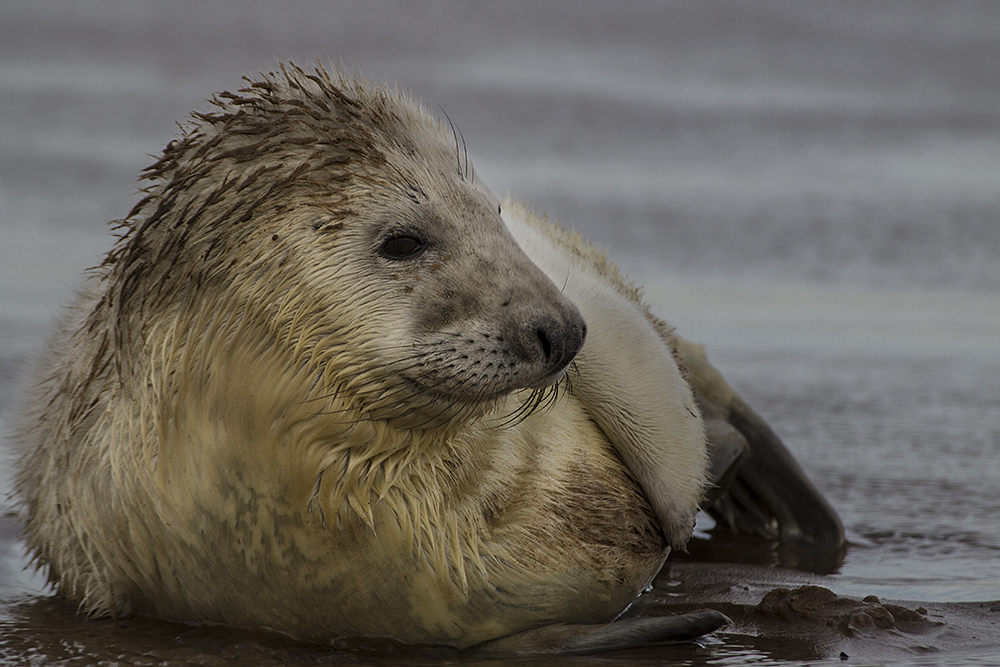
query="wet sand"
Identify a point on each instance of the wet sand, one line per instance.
(778, 617)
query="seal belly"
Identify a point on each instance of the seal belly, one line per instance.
(538, 523)
(457, 536)
(551, 527)
(496, 529)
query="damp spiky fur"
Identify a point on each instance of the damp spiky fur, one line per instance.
(250, 416)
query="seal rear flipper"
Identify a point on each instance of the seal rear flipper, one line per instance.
(552, 640)
(770, 495)
(760, 490)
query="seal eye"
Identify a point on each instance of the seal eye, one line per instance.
(402, 246)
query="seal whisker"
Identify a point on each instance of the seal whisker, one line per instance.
(454, 134)
(539, 400)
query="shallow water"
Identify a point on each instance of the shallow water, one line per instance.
(811, 189)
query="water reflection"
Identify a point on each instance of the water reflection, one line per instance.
(727, 547)
(47, 631)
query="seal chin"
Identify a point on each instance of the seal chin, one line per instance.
(548, 380)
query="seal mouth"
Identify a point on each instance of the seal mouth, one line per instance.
(548, 380)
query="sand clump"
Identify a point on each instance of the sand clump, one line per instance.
(849, 617)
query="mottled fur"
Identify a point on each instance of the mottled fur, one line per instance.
(248, 416)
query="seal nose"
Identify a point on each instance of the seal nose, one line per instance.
(543, 338)
(557, 341)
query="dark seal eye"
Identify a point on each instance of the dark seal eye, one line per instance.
(402, 246)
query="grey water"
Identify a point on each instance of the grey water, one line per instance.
(810, 189)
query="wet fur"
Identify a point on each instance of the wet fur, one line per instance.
(245, 418)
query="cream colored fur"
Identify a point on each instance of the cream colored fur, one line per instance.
(249, 416)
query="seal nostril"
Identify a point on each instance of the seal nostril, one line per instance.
(546, 345)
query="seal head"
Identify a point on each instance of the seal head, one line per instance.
(351, 184)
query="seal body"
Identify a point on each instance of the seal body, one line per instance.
(325, 383)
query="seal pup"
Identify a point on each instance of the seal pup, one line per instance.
(318, 386)
(324, 383)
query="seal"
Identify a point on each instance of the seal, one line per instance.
(327, 383)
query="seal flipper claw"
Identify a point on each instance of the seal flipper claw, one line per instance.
(628, 633)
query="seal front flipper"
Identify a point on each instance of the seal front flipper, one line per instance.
(626, 377)
(761, 490)
(551, 640)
